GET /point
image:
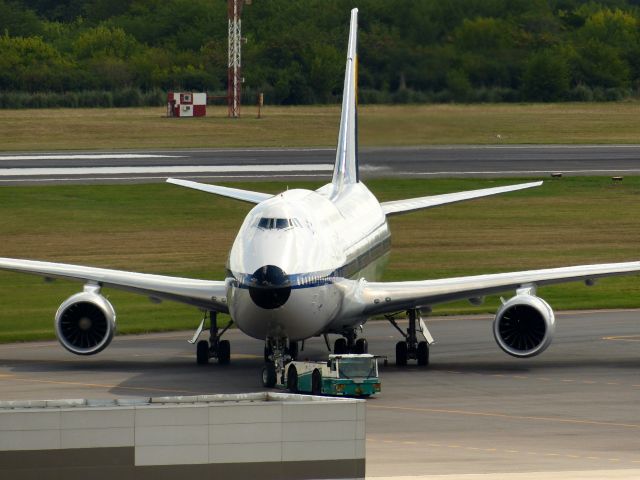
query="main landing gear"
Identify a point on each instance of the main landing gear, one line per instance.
(214, 347)
(410, 348)
(277, 353)
(349, 344)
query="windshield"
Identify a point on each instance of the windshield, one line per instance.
(267, 223)
(357, 367)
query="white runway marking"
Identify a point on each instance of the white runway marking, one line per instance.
(524, 172)
(162, 177)
(169, 169)
(81, 156)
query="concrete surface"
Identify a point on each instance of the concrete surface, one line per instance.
(475, 410)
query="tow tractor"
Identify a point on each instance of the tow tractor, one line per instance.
(342, 375)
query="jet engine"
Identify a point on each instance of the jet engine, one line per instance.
(85, 323)
(524, 326)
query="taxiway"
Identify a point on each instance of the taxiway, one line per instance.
(475, 410)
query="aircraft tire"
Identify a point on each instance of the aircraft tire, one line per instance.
(293, 350)
(362, 346)
(269, 375)
(316, 383)
(292, 379)
(224, 352)
(202, 352)
(423, 353)
(340, 346)
(401, 354)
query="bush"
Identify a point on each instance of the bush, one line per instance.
(128, 97)
(580, 93)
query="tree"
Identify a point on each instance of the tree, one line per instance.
(31, 64)
(103, 41)
(546, 77)
(16, 21)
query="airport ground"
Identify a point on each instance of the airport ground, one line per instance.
(315, 163)
(569, 413)
(164, 229)
(313, 126)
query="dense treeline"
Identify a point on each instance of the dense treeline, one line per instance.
(128, 52)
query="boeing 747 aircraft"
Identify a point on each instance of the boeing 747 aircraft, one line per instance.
(305, 264)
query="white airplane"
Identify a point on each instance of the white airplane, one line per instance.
(304, 264)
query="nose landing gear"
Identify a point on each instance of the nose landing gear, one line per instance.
(349, 344)
(277, 353)
(214, 347)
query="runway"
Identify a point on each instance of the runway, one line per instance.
(312, 163)
(475, 410)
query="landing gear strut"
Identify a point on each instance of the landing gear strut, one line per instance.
(410, 348)
(349, 344)
(214, 347)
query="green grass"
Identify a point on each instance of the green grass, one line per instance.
(164, 229)
(60, 129)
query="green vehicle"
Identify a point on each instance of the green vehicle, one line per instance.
(342, 375)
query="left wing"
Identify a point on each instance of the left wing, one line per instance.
(210, 295)
(411, 204)
(243, 195)
(387, 297)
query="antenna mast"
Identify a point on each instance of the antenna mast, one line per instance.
(234, 79)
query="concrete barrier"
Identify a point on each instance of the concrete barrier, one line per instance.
(262, 435)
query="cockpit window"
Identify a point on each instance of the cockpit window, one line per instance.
(267, 223)
(264, 222)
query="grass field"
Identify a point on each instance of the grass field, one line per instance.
(73, 129)
(164, 229)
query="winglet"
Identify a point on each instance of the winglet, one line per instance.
(346, 167)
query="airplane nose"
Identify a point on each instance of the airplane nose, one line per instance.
(269, 287)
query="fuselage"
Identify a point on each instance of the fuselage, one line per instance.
(291, 255)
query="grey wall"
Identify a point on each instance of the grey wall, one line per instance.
(270, 435)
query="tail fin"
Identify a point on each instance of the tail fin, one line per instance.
(346, 168)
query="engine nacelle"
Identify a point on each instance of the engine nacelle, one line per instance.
(85, 323)
(524, 326)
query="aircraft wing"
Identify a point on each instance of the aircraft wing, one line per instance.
(206, 294)
(238, 194)
(411, 204)
(387, 297)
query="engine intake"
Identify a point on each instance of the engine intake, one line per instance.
(524, 326)
(85, 323)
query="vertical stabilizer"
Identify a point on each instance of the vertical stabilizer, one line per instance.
(346, 168)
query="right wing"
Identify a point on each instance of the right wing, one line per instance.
(210, 295)
(238, 194)
(387, 297)
(411, 204)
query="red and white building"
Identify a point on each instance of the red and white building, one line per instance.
(186, 104)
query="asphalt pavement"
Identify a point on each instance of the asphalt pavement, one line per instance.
(137, 166)
(474, 410)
